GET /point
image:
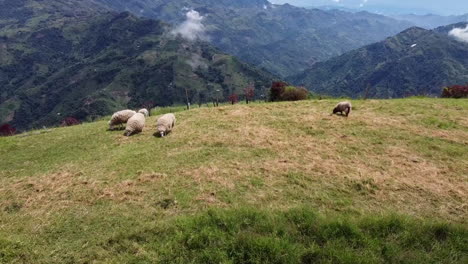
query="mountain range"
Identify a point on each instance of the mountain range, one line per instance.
(64, 58)
(88, 58)
(431, 21)
(415, 62)
(282, 39)
(424, 20)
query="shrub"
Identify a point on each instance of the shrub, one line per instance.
(455, 91)
(276, 90)
(292, 93)
(69, 121)
(280, 91)
(7, 130)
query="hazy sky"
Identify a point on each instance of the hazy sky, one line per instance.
(437, 6)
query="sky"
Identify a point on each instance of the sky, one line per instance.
(444, 7)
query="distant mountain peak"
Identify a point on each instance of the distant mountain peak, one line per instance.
(414, 30)
(414, 62)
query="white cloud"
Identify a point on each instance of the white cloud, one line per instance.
(192, 28)
(196, 62)
(460, 33)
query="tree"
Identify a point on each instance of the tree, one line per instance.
(249, 92)
(201, 98)
(233, 98)
(187, 98)
(366, 93)
(149, 105)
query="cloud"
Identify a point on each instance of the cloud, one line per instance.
(196, 62)
(460, 33)
(192, 28)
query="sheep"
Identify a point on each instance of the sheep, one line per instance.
(120, 117)
(144, 111)
(342, 107)
(165, 124)
(135, 124)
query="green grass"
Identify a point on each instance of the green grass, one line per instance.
(259, 183)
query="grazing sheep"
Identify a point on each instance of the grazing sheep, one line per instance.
(120, 117)
(165, 124)
(343, 107)
(135, 124)
(144, 111)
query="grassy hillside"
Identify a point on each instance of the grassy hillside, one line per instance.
(263, 183)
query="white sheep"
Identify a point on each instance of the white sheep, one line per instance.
(144, 111)
(135, 124)
(165, 124)
(342, 107)
(120, 117)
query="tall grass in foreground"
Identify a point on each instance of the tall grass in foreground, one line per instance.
(294, 236)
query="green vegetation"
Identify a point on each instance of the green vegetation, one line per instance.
(86, 64)
(282, 39)
(281, 91)
(258, 183)
(414, 62)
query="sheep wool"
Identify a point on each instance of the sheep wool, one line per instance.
(165, 124)
(144, 111)
(343, 107)
(135, 124)
(120, 117)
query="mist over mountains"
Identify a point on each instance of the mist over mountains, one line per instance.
(389, 7)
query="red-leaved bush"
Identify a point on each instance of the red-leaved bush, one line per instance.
(455, 91)
(70, 121)
(233, 98)
(276, 90)
(7, 130)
